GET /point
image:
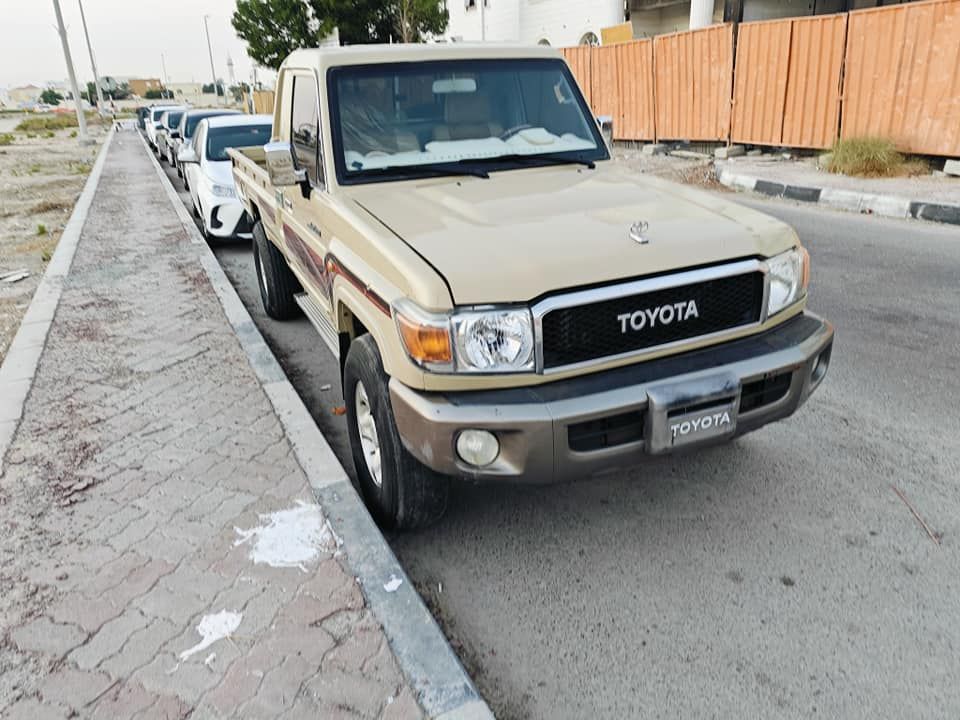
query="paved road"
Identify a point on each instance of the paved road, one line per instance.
(779, 576)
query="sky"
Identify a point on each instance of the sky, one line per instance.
(128, 39)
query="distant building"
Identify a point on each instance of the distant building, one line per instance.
(25, 95)
(188, 93)
(140, 86)
(564, 23)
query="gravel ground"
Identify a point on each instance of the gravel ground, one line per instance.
(40, 179)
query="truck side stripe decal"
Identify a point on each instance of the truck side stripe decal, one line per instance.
(323, 270)
(335, 267)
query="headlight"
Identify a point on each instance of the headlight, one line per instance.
(494, 340)
(788, 274)
(222, 190)
(498, 340)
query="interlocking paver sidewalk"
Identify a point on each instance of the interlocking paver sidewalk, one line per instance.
(151, 504)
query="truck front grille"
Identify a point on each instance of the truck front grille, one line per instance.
(597, 330)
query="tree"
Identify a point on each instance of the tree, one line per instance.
(275, 28)
(412, 19)
(208, 88)
(153, 94)
(50, 97)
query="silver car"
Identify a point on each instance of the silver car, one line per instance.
(169, 120)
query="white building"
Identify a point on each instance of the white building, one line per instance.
(549, 22)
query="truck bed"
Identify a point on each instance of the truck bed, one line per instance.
(253, 181)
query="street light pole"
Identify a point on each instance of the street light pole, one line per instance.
(213, 72)
(78, 101)
(93, 63)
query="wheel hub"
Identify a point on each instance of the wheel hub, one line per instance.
(369, 440)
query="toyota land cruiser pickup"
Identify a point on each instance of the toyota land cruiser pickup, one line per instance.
(506, 303)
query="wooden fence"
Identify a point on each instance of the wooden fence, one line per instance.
(798, 82)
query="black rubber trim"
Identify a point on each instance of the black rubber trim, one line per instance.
(789, 334)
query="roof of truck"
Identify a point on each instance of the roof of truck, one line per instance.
(323, 58)
(237, 120)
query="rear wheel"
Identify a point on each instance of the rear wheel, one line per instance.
(277, 282)
(401, 492)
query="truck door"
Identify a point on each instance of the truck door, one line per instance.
(303, 220)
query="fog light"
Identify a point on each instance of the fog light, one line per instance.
(477, 447)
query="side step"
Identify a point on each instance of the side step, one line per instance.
(318, 318)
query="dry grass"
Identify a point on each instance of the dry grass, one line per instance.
(873, 157)
(44, 123)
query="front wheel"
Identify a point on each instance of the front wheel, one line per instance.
(277, 282)
(401, 492)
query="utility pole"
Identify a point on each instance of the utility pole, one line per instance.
(93, 63)
(701, 14)
(164, 80)
(77, 100)
(483, 22)
(213, 72)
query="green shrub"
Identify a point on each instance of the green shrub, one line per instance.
(49, 134)
(6, 138)
(41, 229)
(73, 133)
(871, 157)
(42, 123)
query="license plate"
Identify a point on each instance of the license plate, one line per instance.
(693, 427)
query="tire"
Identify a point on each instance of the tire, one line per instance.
(409, 495)
(276, 281)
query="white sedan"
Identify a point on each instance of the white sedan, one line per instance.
(207, 169)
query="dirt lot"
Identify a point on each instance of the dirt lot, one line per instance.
(40, 179)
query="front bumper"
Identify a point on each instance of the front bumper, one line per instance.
(578, 427)
(228, 219)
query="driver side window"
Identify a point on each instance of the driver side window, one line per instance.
(305, 127)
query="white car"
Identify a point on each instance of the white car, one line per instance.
(208, 171)
(153, 120)
(188, 125)
(165, 129)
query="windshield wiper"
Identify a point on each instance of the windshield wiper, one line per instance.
(534, 159)
(426, 170)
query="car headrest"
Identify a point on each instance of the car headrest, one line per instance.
(463, 108)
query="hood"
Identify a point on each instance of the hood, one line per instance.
(523, 233)
(220, 172)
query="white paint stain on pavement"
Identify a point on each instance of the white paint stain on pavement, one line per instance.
(289, 538)
(213, 628)
(393, 583)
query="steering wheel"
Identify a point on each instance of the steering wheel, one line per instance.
(507, 134)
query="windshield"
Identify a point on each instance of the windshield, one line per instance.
(193, 119)
(220, 139)
(173, 119)
(388, 119)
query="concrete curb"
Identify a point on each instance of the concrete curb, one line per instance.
(871, 203)
(23, 357)
(444, 689)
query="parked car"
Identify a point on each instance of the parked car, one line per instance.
(142, 114)
(169, 122)
(188, 124)
(208, 170)
(508, 304)
(153, 120)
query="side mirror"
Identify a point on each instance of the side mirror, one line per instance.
(280, 166)
(187, 155)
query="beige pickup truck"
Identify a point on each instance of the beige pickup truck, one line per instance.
(507, 304)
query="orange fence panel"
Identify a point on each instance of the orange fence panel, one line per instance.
(903, 76)
(760, 82)
(635, 115)
(787, 81)
(605, 93)
(811, 115)
(694, 83)
(580, 60)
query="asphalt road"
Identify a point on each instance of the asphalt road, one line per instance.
(778, 576)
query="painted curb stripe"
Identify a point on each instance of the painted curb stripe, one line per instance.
(935, 212)
(803, 194)
(883, 205)
(443, 687)
(19, 367)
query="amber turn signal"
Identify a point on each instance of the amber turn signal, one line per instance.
(426, 344)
